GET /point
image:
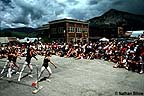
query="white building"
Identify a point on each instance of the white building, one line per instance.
(136, 33)
(7, 39)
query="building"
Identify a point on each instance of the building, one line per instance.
(95, 33)
(67, 30)
(44, 30)
(4, 40)
(8, 41)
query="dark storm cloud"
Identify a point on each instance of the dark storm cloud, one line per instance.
(5, 4)
(119, 2)
(93, 2)
(133, 6)
(6, 1)
(16, 13)
(98, 7)
(59, 11)
(77, 14)
(21, 19)
(73, 1)
(35, 12)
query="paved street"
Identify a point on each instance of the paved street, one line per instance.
(77, 78)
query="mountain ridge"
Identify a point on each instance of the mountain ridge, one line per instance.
(116, 18)
(20, 29)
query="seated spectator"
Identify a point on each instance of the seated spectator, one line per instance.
(130, 62)
(81, 55)
(121, 62)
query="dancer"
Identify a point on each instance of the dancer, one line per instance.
(13, 64)
(30, 54)
(7, 64)
(46, 66)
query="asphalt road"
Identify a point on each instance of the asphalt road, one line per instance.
(76, 78)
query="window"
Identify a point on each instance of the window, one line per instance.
(79, 35)
(68, 29)
(78, 30)
(71, 29)
(53, 30)
(84, 30)
(60, 30)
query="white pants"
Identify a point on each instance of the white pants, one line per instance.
(6, 64)
(10, 70)
(9, 65)
(24, 66)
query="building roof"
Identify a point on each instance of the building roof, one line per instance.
(68, 20)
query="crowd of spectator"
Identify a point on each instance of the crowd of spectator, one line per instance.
(128, 55)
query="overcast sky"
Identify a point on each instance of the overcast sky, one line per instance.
(34, 13)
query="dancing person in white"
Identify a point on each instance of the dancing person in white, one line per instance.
(30, 54)
(8, 63)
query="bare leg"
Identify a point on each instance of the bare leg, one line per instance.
(42, 70)
(17, 66)
(30, 67)
(49, 71)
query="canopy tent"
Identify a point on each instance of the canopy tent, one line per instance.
(104, 39)
(28, 40)
(141, 39)
(135, 33)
